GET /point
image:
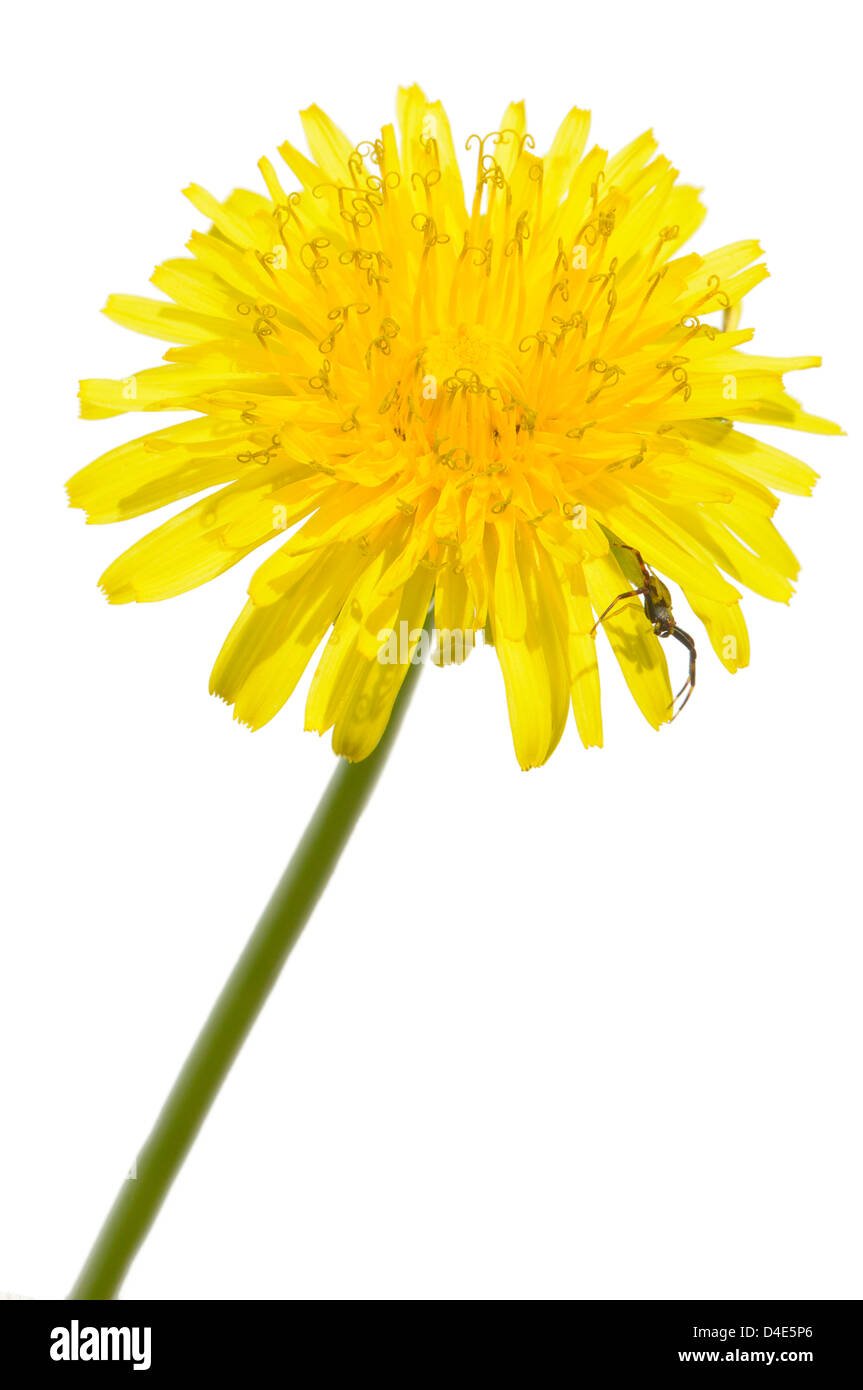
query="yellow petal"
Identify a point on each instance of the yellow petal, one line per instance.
(365, 713)
(203, 541)
(268, 649)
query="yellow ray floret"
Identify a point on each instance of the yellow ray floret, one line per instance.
(473, 396)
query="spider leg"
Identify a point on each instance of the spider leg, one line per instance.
(621, 598)
(689, 685)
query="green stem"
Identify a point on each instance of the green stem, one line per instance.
(233, 1015)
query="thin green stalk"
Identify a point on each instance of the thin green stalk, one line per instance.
(233, 1015)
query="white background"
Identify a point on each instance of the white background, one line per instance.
(587, 1032)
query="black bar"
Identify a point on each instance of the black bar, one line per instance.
(603, 1338)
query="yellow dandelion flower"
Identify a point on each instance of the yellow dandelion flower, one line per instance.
(513, 404)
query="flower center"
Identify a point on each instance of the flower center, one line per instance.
(462, 396)
(468, 349)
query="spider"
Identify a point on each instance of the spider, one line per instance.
(657, 606)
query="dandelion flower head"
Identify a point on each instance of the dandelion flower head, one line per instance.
(411, 391)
